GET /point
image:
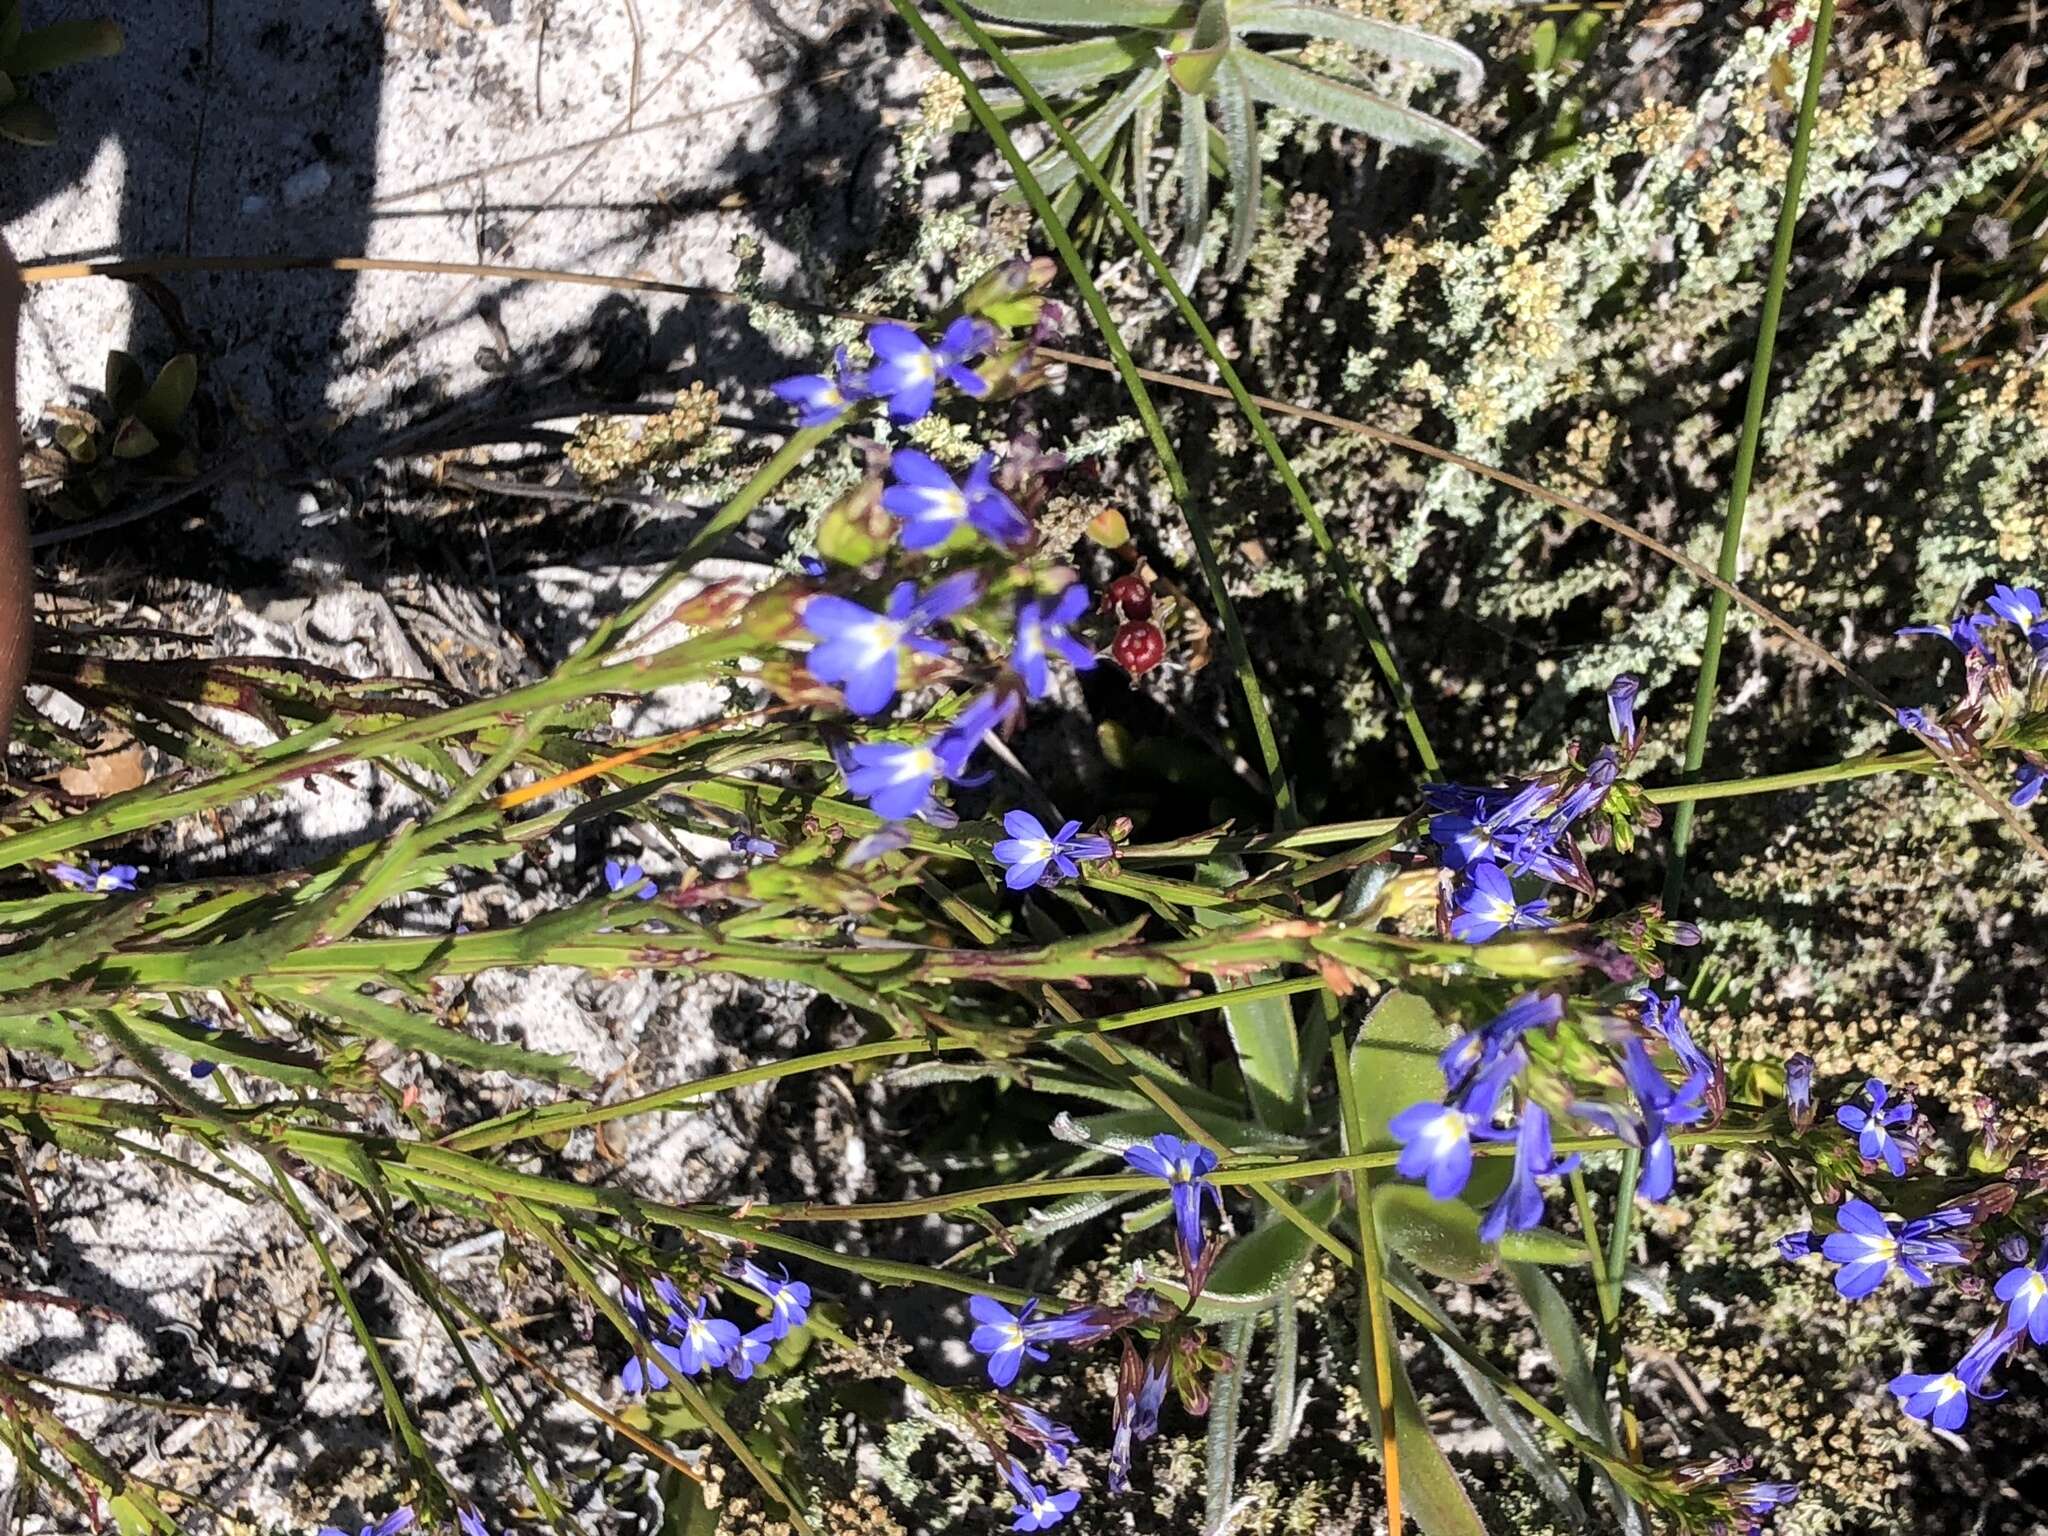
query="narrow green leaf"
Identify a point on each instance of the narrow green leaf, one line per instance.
(1194, 186)
(1283, 85)
(365, 1015)
(28, 122)
(1522, 1442)
(1558, 1327)
(1268, 1049)
(1389, 39)
(1064, 68)
(1234, 110)
(1056, 168)
(1156, 14)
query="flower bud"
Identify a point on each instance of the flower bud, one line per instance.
(1109, 529)
(1799, 1091)
(1010, 294)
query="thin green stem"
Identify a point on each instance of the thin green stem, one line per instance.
(576, 1114)
(1727, 569)
(1729, 564)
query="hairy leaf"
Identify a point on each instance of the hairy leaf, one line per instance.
(1283, 85)
(1389, 39)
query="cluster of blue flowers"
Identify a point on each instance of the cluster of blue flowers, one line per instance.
(1506, 1079)
(1008, 1340)
(866, 652)
(1489, 837)
(1998, 681)
(685, 1340)
(1868, 1247)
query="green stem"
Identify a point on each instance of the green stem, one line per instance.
(576, 1114)
(1752, 435)
(1726, 569)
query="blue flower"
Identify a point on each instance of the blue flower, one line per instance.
(96, 877)
(753, 846)
(1965, 632)
(1436, 1147)
(862, 650)
(390, 1525)
(1034, 1428)
(1484, 825)
(789, 1301)
(703, 1343)
(1920, 723)
(2018, 606)
(1007, 1338)
(1038, 1510)
(2025, 1294)
(896, 778)
(1621, 712)
(627, 878)
(932, 505)
(1794, 1246)
(1471, 1054)
(2033, 778)
(1942, 1399)
(1868, 1247)
(1185, 1165)
(751, 1351)
(906, 371)
(1874, 1138)
(1486, 904)
(821, 398)
(1042, 629)
(1661, 1106)
(1141, 1393)
(471, 1521)
(1520, 1205)
(1799, 1090)
(1029, 851)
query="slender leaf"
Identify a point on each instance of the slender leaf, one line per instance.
(1064, 68)
(1234, 110)
(62, 43)
(1194, 186)
(1157, 14)
(1283, 85)
(1534, 1456)
(1389, 39)
(365, 1015)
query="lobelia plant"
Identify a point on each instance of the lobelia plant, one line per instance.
(1121, 63)
(1515, 1032)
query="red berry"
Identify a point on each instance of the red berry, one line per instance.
(1128, 597)
(1138, 647)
